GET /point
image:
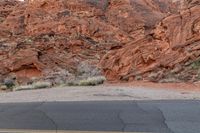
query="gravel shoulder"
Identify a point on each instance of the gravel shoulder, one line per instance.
(98, 93)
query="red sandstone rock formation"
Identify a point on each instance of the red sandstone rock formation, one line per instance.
(174, 41)
(47, 38)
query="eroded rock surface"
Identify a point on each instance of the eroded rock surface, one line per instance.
(50, 39)
(174, 41)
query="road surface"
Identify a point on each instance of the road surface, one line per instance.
(102, 115)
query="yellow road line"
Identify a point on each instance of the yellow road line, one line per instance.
(53, 131)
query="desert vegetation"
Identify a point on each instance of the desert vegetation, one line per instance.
(78, 42)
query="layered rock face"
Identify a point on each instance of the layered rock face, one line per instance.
(163, 53)
(54, 39)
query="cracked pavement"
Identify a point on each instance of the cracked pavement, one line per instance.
(118, 114)
(168, 116)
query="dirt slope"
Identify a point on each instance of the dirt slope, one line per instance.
(59, 40)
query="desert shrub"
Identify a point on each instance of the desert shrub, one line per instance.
(36, 85)
(196, 64)
(73, 83)
(9, 83)
(24, 87)
(92, 81)
(28, 40)
(86, 70)
(41, 85)
(3, 87)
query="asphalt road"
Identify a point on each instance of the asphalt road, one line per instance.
(155, 116)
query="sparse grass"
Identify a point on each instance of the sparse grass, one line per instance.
(41, 85)
(73, 83)
(91, 81)
(3, 87)
(24, 87)
(34, 86)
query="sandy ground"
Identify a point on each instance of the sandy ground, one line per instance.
(107, 92)
(172, 86)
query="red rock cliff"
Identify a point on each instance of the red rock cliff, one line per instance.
(125, 38)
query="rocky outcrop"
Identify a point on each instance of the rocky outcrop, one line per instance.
(50, 39)
(6, 7)
(174, 41)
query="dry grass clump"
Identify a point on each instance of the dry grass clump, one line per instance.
(34, 86)
(41, 85)
(91, 81)
(3, 87)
